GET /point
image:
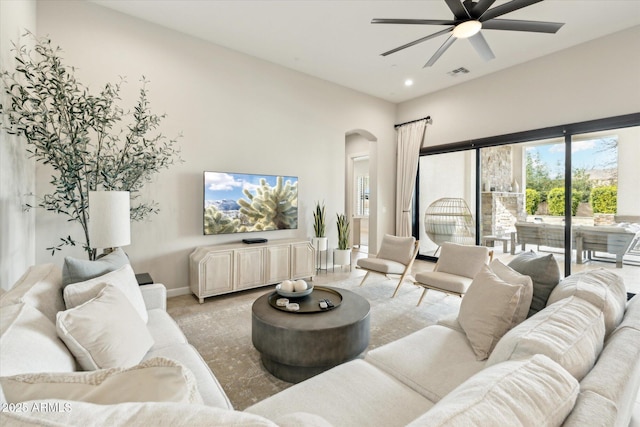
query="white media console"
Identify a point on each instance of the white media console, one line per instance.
(231, 267)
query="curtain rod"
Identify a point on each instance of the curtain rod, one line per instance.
(428, 119)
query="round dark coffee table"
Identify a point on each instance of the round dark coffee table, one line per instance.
(297, 346)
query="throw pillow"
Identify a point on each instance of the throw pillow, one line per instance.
(105, 332)
(123, 278)
(78, 270)
(531, 392)
(544, 272)
(155, 380)
(511, 276)
(487, 311)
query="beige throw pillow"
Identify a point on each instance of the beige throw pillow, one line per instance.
(512, 277)
(123, 278)
(488, 310)
(105, 332)
(155, 380)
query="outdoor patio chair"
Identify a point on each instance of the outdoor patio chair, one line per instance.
(395, 257)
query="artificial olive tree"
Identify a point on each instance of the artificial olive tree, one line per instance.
(87, 139)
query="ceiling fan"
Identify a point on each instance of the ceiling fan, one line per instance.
(469, 18)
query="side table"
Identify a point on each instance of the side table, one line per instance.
(144, 279)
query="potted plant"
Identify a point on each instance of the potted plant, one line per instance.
(342, 255)
(319, 227)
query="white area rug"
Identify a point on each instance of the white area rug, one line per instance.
(220, 329)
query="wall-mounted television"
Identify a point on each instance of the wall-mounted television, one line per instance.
(242, 203)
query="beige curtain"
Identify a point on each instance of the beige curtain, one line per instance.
(410, 137)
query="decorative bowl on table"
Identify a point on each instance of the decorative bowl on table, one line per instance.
(294, 289)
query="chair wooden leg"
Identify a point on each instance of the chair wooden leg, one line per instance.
(424, 292)
(364, 278)
(399, 283)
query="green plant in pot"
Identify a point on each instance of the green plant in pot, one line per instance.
(342, 255)
(85, 138)
(319, 227)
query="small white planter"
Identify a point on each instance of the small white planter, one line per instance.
(342, 257)
(320, 243)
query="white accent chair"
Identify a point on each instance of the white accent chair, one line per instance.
(395, 257)
(455, 269)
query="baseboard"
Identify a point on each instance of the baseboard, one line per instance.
(177, 292)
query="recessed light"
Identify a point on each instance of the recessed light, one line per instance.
(408, 82)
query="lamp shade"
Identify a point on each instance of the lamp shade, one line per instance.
(109, 224)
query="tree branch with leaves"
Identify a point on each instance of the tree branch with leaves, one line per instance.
(87, 139)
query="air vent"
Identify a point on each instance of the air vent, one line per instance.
(457, 71)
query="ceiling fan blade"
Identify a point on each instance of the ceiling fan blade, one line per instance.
(440, 51)
(415, 42)
(481, 46)
(517, 25)
(481, 7)
(506, 8)
(414, 21)
(459, 11)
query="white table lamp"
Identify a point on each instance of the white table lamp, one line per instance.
(109, 224)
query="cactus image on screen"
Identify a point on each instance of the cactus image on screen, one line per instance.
(215, 222)
(238, 203)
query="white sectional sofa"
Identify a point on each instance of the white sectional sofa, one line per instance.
(575, 363)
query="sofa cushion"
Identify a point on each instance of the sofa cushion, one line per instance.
(632, 314)
(448, 281)
(29, 343)
(76, 270)
(544, 273)
(398, 249)
(155, 380)
(384, 266)
(488, 310)
(208, 385)
(451, 254)
(432, 361)
(511, 276)
(41, 287)
(164, 330)
(602, 288)
(133, 414)
(592, 409)
(123, 278)
(615, 379)
(297, 419)
(531, 392)
(352, 394)
(570, 331)
(105, 332)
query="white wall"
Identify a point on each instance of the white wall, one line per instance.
(17, 172)
(593, 80)
(237, 114)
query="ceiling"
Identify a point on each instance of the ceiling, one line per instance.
(335, 41)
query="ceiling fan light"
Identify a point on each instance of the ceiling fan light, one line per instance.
(467, 29)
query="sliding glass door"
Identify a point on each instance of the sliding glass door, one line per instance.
(447, 188)
(570, 191)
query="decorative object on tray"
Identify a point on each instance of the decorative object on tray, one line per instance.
(318, 299)
(294, 288)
